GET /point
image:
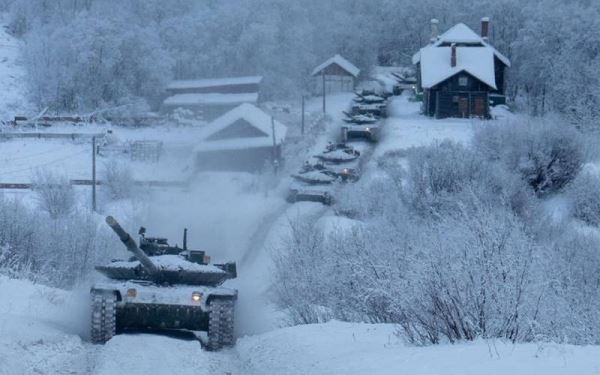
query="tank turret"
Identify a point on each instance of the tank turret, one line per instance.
(155, 260)
(130, 244)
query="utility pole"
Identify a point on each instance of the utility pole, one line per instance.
(303, 115)
(323, 76)
(94, 173)
(275, 161)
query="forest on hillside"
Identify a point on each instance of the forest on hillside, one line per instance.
(87, 54)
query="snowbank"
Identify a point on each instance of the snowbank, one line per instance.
(346, 348)
(39, 329)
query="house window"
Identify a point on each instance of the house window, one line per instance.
(463, 81)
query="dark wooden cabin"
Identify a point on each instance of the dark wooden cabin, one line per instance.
(459, 73)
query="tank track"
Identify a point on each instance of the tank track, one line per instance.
(220, 324)
(104, 316)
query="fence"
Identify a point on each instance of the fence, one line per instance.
(149, 183)
(71, 136)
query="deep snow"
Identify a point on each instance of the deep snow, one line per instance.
(237, 216)
(37, 336)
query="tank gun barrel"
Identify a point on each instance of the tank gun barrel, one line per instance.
(132, 246)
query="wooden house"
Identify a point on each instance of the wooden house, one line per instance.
(338, 74)
(243, 139)
(212, 97)
(459, 72)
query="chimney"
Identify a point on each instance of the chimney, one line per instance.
(453, 56)
(485, 28)
(434, 30)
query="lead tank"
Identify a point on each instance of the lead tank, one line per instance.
(163, 287)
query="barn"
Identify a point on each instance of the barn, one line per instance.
(339, 75)
(212, 97)
(459, 72)
(243, 139)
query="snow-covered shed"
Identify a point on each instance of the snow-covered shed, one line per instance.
(243, 139)
(339, 75)
(212, 97)
(459, 71)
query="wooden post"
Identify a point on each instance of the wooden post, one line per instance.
(324, 106)
(275, 161)
(302, 130)
(94, 173)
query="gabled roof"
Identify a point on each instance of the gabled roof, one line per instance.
(436, 67)
(253, 116)
(462, 34)
(341, 62)
(210, 99)
(213, 82)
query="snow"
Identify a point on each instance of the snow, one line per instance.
(315, 176)
(213, 82)
(213, 98)
(37, 337)
(42, 330)
(462, 34)
(171, 263)
(406, 128)
(436, 67)
(251, 114)
(341, 62)
(150, 354)
(13, 96)
(338, 155)
(353, 349)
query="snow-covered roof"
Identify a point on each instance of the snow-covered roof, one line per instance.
(341, 62)
(436, 66)
(462, 34)
(251, 114)
(213, 82)
(213, 98)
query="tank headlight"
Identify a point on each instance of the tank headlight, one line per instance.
(196, 296)
(131, 293)
(345, 171)
(368, 129)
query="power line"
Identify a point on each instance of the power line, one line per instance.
(30, 155)
(14, 171)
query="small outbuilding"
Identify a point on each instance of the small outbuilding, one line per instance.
(459, 72)
(339, 75)
(212, 97)
(243, 139)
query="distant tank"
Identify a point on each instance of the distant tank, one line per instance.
(163, 287)
(338, 153)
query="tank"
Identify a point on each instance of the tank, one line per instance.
(163, 287)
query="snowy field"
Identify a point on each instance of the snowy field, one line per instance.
(40, 334)
(241, 217)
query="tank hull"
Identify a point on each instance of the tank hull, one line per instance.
(140, 306)
(150, 316)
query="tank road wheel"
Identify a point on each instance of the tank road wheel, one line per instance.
(104, 316)
(220, 323)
